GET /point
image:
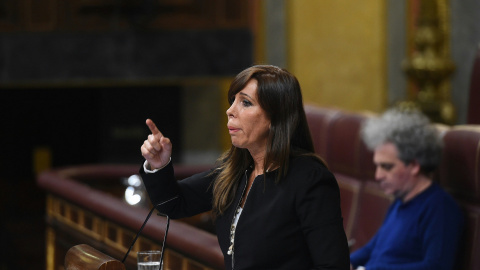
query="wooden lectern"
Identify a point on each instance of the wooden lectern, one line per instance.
(85, 257)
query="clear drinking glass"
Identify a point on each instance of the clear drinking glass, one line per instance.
(149, 260)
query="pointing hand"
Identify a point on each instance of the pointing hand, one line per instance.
(157, 149)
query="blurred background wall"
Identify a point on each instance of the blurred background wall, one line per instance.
(79, 78)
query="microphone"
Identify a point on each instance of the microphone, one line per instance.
(145, 222)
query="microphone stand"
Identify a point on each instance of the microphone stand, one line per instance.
(145, 222)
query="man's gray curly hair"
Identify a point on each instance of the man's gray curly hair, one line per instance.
(410, 131)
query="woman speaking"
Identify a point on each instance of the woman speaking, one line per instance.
(275, 203)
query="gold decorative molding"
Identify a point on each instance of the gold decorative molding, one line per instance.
(105, 233)
(428, 65)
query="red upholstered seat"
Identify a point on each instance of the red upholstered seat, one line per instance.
(336, 136)
(470, 244)
(459, 172)
(473, 114)
(366, 167)
(343, 149)
(319, 121)
(373, 206)
(349, 195)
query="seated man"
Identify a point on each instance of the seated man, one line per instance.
(423, 225)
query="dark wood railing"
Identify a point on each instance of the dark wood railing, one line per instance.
(82, 209)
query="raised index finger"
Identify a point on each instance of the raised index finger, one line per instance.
(153, 128)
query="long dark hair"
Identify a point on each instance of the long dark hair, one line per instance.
(280, 96)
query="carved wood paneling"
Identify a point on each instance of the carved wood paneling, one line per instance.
(69, 223)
